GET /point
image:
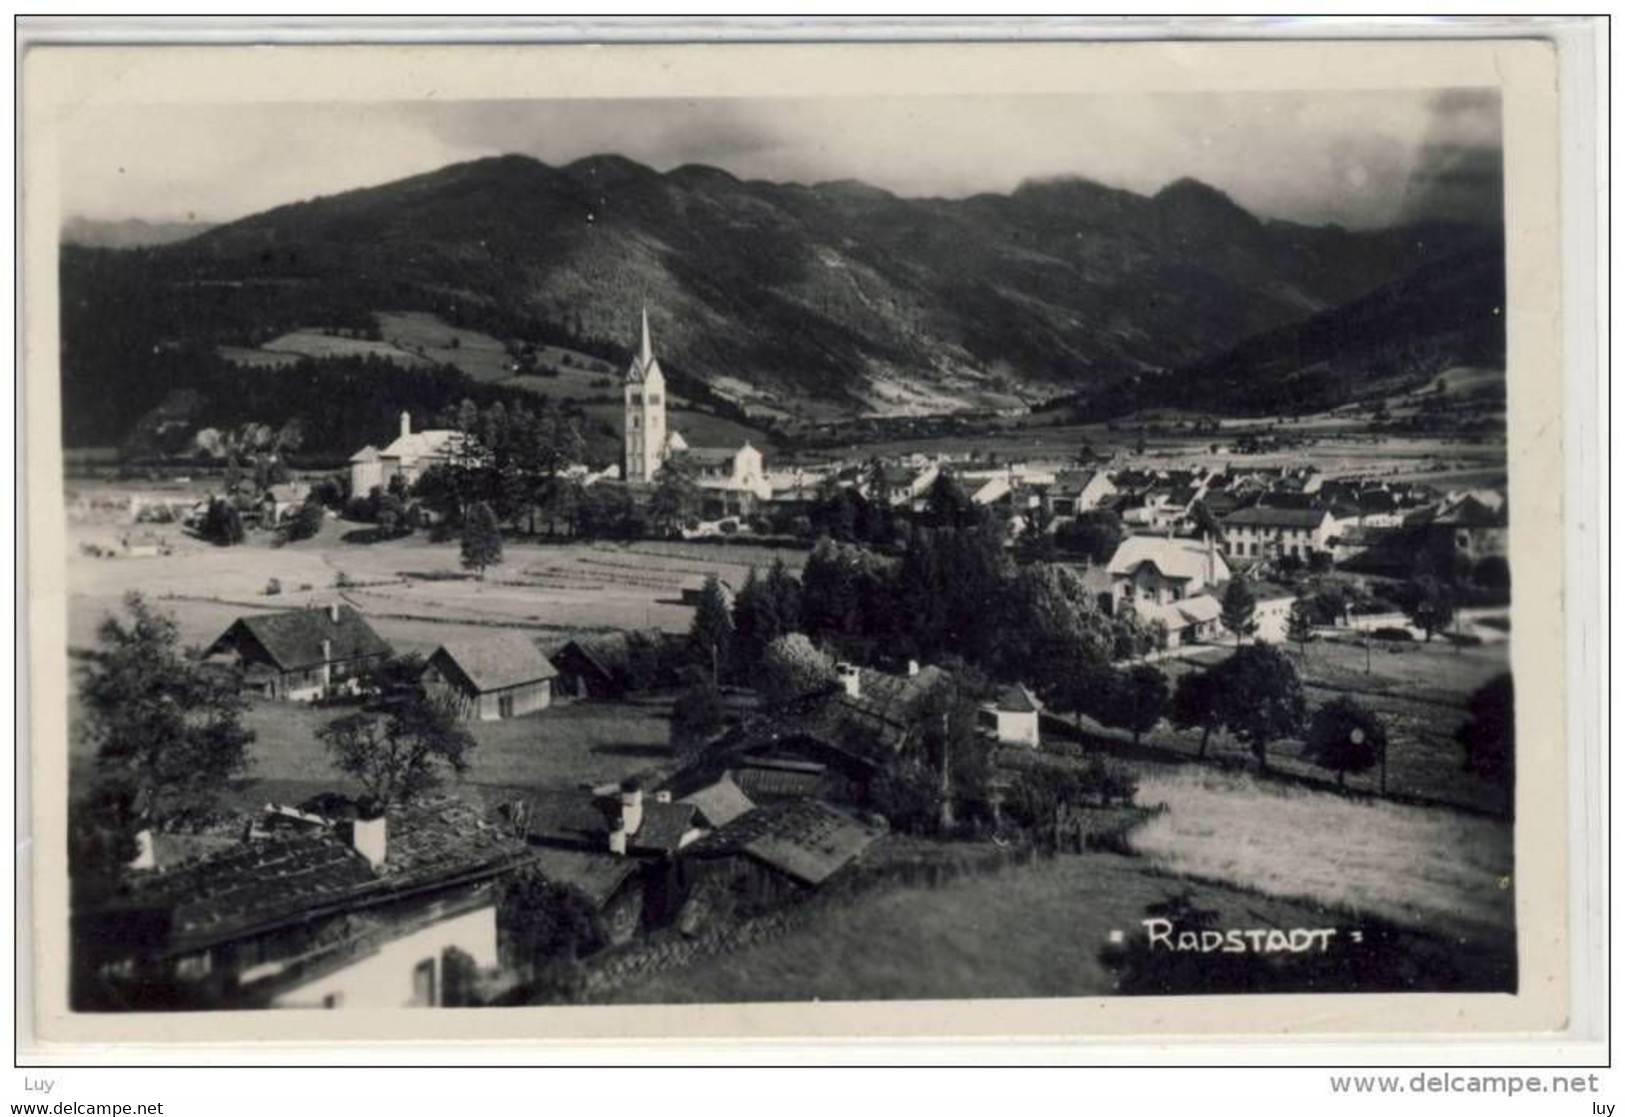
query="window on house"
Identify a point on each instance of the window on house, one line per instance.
(333, 1000)
(505, 706)
(654, 398)
(637, 397)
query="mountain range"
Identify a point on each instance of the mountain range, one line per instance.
(809, 300)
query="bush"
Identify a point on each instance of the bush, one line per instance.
(728, 527)
(1388, 632)
(273, 587)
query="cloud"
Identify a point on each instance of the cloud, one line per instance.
(1362, 158)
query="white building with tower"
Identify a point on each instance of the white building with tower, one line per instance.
(731, 479)
(410, 456)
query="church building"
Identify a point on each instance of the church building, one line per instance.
(732, 480)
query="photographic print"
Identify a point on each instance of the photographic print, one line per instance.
(542, 545)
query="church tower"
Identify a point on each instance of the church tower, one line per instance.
(645, 412)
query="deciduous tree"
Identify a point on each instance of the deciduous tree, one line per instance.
(166, 730)
(1261, 697)
(402, 752)
(1345, 737)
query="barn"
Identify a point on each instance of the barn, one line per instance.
(504, 675)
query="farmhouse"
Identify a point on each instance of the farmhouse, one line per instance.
(504, 675)
(610, 664)
(302, 654)
(832, 742)
(320, 910)
(1262, 532)
(769, 854)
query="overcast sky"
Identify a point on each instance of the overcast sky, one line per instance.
(1360, 159)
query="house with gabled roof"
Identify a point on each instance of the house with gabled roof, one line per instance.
(504, 675)
(1162, 568)
(769, 855)
(1265, 532)
(1011, 717)
(327, 907)
(302, 654)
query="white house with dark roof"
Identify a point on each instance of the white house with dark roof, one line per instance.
(504, 675)
(317, 908)
(302, 654)
(1262, 532)
(1012, 716)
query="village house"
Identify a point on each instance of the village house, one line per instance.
(1272, 611)
(1469, 528)
(302, 654)
(1011, 718)
(410, 456)
(765, 857)
(610, 664)
(1077, 491)
(281, 501)
(1162, 569)
(1171, 583)
(329, 908)
(503, 675)
(619, 841)
(829, 744)
(1264, 532)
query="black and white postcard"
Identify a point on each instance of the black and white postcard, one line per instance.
(862, 540)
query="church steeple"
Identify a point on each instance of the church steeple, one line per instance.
(644, 363)
(645, 410)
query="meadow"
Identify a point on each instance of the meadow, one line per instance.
(1425, 868)
(1419, 692)
(1046, 931)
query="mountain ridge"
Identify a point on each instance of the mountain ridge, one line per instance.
(824, 299)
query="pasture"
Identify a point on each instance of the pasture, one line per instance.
(414, 591)
(1418, 690)
(1042, 931)
(1420, 867)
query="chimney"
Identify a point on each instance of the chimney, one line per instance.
(851, 679)
(913, 668)
(631, 805)
(617, 837)
(406, 423)
(333, 612)
(370, 836)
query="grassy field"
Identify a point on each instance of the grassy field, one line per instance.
(413, 590)
(1036, 932)
(1420, 693)
(565, 746)
(1420, 867)
(428, 338)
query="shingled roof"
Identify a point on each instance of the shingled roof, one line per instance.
(294, 639)
(581, 819)
(257, 886)
(805, 839)
(496, 662)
